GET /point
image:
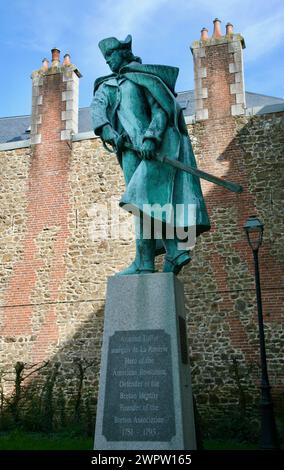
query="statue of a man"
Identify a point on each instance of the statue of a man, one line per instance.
(134, 110)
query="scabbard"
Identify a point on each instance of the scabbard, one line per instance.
(234, 187)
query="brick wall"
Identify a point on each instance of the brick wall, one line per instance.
(54, 276)
(53, 272)
(220, 280)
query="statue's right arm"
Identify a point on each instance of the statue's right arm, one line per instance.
(99, 109)
(101, 123)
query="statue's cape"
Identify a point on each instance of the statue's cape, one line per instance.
(167, 74)
(100, 80)
(168, 186)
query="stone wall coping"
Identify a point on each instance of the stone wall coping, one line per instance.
(84, 136)
(266, 109)
(19, 144)
(189, 119)
(257, 110)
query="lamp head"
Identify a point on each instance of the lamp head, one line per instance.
(254, 231)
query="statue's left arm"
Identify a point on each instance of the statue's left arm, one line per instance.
(158, 121)
(153, 136)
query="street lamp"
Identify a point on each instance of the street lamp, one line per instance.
(269, 438)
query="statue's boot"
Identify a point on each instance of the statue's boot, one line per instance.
(144, 259)
(175, 259)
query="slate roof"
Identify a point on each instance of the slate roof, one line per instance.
(15, 128)
(253, 100)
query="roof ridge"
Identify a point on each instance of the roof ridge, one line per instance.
(266, 96)
(179, 93)
(186, 91)
(13, 117)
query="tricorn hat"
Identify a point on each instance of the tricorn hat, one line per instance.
(110, 44)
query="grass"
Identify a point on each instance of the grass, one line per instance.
(20, 440)
(228, 445)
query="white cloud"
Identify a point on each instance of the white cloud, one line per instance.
(163, 26)
(124, 16)
(40, 25)
(115, 18)
(263, 36)
(119, 18)
(47, 24)
(260, 22)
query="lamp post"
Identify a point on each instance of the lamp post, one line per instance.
(269, 438)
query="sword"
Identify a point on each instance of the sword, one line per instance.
(234, 187)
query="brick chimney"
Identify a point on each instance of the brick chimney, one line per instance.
(218, 73)
(48, 207)
(55, 89)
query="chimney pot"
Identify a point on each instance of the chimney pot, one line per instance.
(229, 29)
(67, 60)
(204, 34)
(217, 28)
(55, 56)
(45, 64)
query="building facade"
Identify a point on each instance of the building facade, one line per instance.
(55, 180)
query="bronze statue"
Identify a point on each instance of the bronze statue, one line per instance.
(134, 110)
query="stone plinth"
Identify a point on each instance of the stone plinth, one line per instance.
(145, 399)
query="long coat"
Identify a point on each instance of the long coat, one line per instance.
(150, 110)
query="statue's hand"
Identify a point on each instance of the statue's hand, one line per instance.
(109, 135)
(148, 149)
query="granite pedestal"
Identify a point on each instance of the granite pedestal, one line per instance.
(145, 397)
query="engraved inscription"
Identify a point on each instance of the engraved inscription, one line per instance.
(139, 403)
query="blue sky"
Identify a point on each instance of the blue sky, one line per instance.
(162, 32)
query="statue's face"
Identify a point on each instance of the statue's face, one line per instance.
(115, 60)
